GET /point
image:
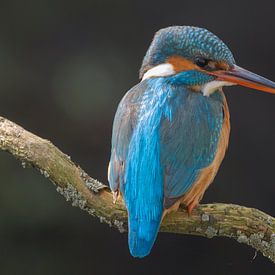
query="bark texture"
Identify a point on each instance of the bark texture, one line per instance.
(246, 225)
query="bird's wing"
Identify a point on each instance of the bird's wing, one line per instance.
(136, 149)
(124, 123)
(189, 141)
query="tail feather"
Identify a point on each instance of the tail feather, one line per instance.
(142, 235)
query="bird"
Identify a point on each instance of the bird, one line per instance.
(171, 130)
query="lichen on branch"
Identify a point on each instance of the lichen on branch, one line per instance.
(246, 225)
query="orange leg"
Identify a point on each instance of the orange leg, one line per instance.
(115, 196)
(191, 206)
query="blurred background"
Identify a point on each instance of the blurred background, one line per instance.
(64, 66)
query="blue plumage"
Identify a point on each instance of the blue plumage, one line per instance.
(171, 130)
(166, 134)
(189, 142)
(166, 131)
(188, 42)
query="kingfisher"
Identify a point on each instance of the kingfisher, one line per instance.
(171, 130)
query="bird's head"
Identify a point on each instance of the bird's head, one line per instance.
(197, 58)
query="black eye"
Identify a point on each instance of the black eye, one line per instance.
(201, 62)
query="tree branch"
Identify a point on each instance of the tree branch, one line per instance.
(246, 225)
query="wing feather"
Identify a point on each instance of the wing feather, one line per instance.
(124, 123)
(189, 141)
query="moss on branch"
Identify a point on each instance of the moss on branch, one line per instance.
(246, 225)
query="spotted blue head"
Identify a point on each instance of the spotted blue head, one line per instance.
(197, 58)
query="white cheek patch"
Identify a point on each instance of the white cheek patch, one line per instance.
(167, 69)
(161, 70)
(212, 86)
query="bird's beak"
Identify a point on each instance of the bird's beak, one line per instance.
(238, 75)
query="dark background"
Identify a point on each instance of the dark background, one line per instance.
(64, 65)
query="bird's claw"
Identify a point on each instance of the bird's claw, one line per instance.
(115, 196)
(191, 206)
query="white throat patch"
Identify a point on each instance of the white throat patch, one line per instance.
(164, 69)
(212, 86)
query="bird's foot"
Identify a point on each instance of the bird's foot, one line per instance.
(191, 206)
(115, 196)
